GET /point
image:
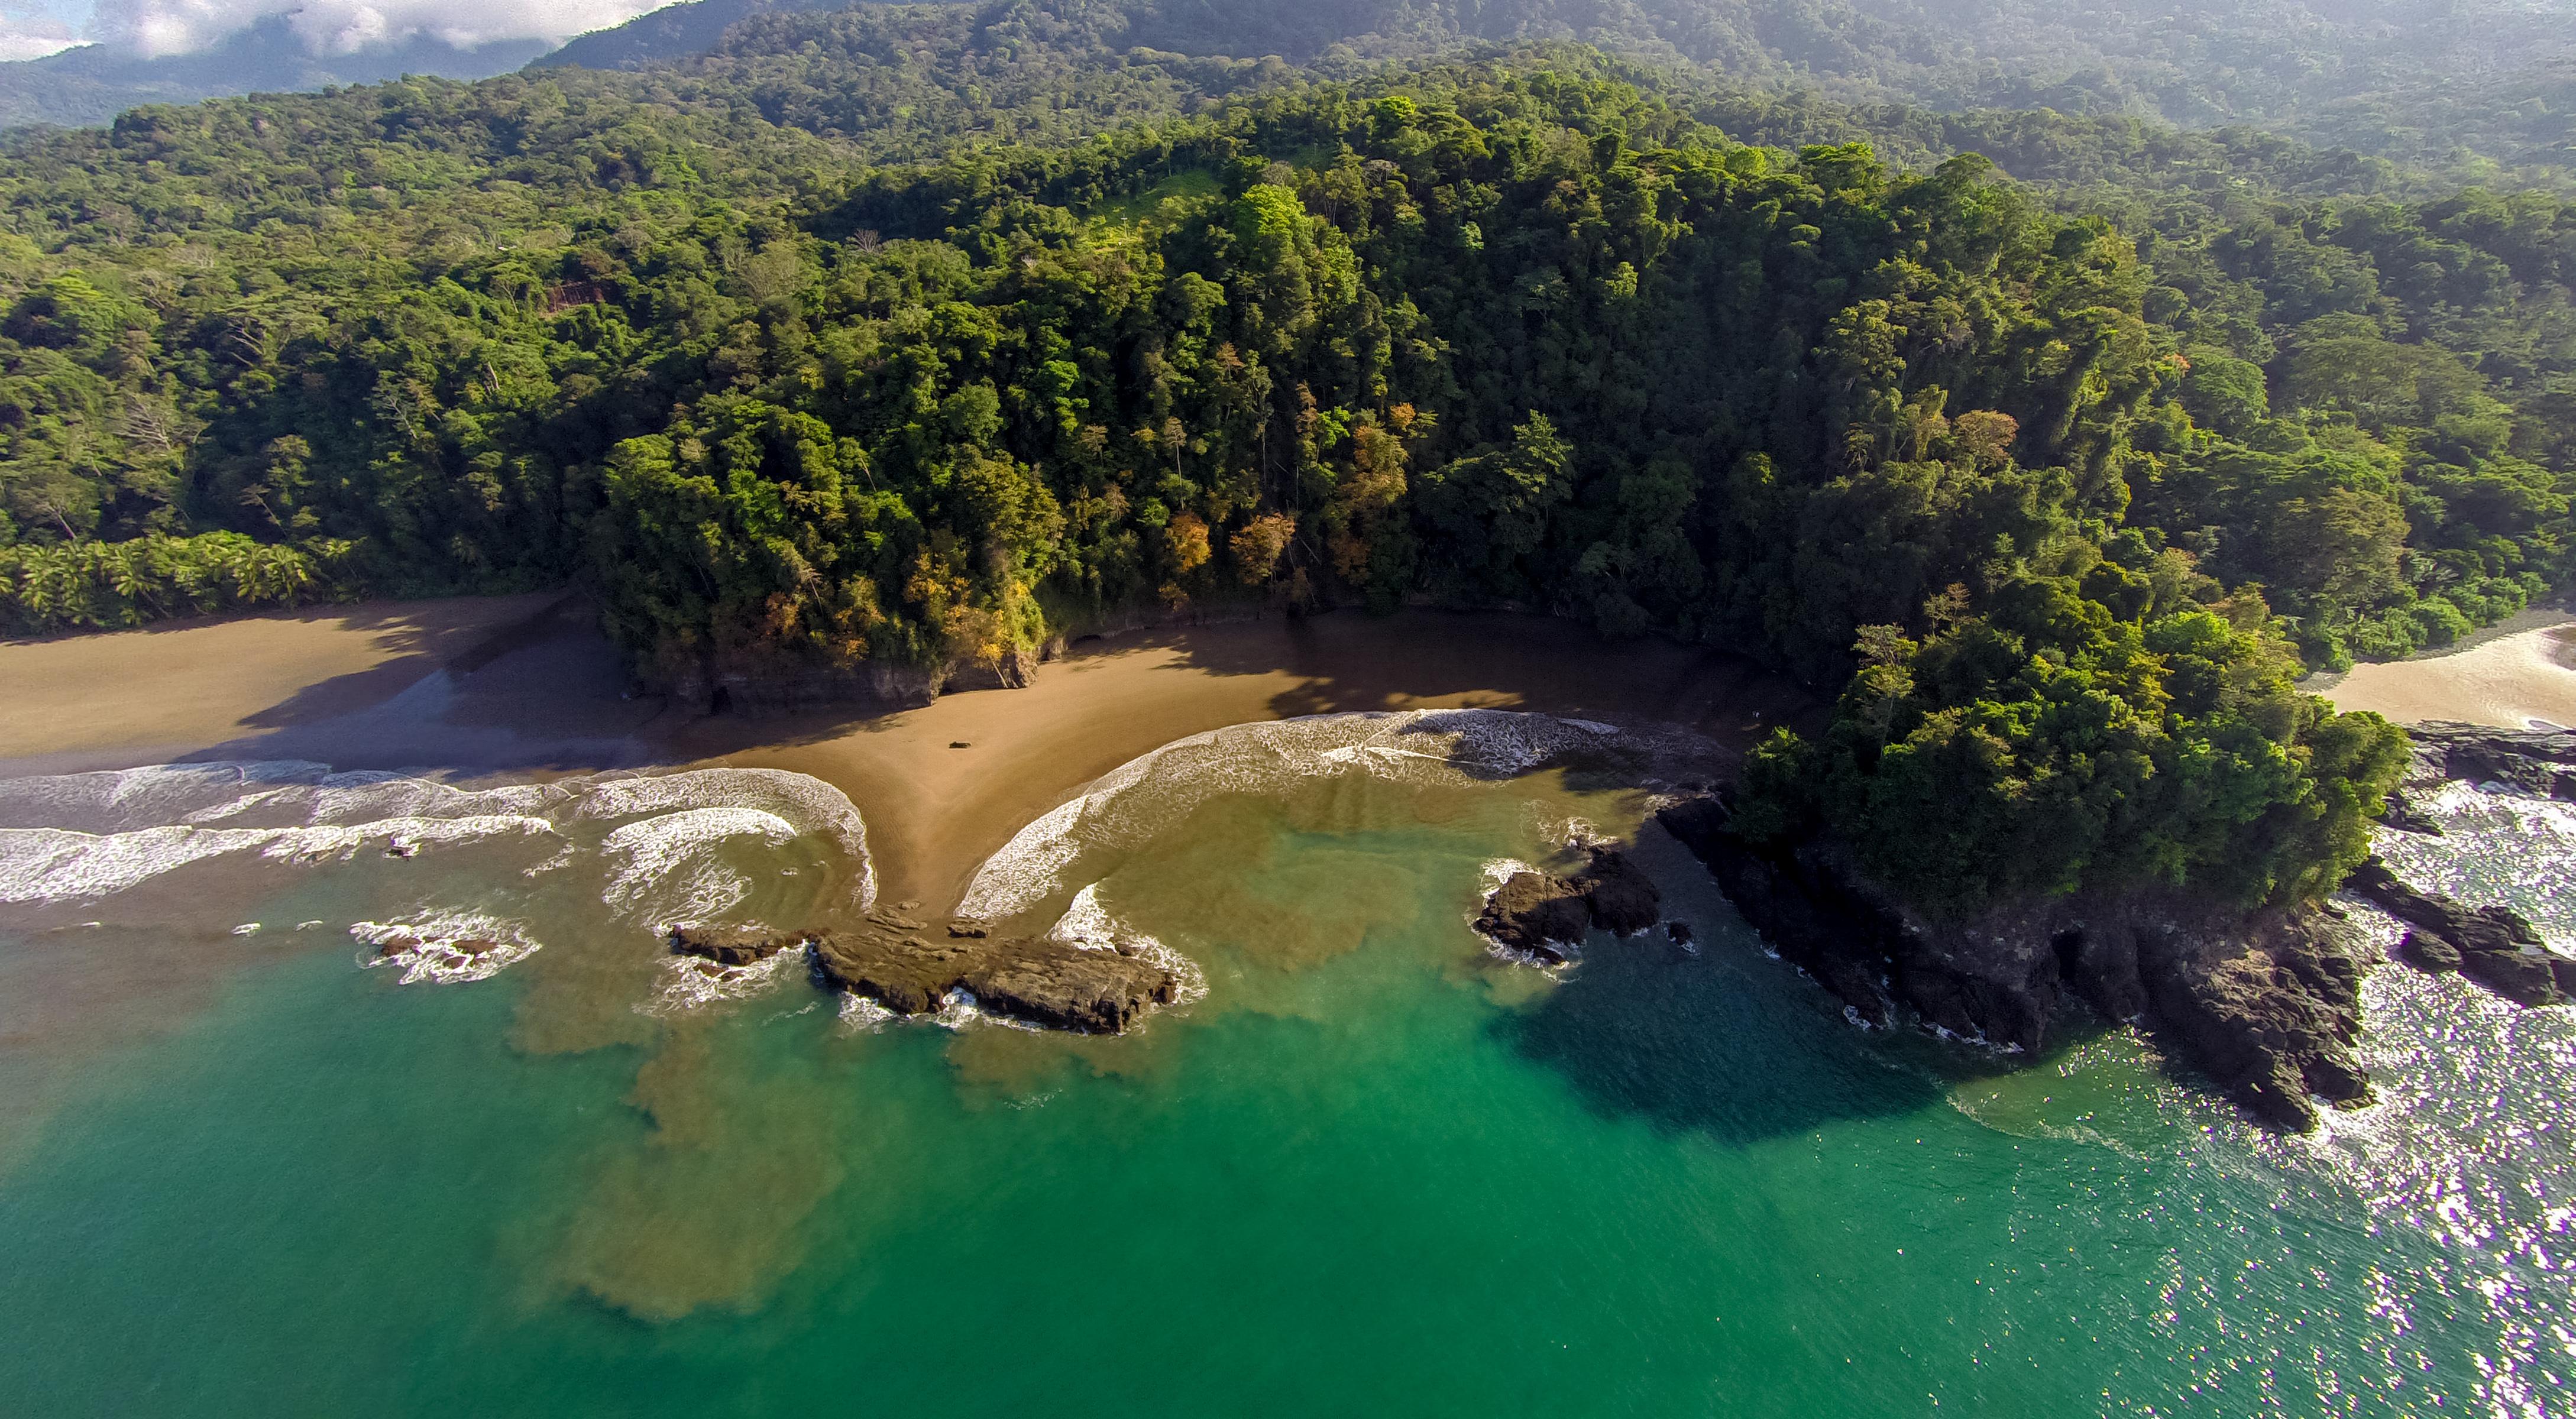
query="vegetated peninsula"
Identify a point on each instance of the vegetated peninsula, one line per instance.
(851, 361)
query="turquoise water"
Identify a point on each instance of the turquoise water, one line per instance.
(1374, 1170)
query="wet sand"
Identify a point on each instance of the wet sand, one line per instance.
(936, 811)
(353, 686)
(474, 689)
(2522, 678)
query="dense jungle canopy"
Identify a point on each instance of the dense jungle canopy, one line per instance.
(915, 335)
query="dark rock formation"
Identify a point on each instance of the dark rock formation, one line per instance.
(2429, 953)
(2267, 1006)
(1624, 900)
(1538, 915)
(2402, 814)
(2541, 762)
(2494, 946)
(1546, 916)
(1013, 669)
(2274, 1021)
(893, 961)
(730, 948)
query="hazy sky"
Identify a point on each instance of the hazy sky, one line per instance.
(29, 28)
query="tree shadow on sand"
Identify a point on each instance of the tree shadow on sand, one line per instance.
(416, 647)
(543, 689)
(1347, 661)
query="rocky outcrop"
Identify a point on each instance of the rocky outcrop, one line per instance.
(1013, 669)
(770, 681)
(1545, 916)
(1537, 914)
(730, 948)
(2267, 1006)
(1623, 899)
(2494, 946)
(2402, 814)
(893, 961)
(2541, 762)
(2270, 1013)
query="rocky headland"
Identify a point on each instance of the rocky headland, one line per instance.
(911, 968)
(2266, 1004)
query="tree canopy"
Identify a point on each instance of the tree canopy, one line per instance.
(820, 354)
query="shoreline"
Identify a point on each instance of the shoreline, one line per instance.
(526, 686)
(2519, 674)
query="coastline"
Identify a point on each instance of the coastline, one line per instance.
(2517, 675)
(526, 686)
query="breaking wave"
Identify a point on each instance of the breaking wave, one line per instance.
(653, 849)
(445, 948)
(666, 873)
(1088, 925)
(1411, 746)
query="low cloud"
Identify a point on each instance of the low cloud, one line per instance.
(27, 32)
(157, 27)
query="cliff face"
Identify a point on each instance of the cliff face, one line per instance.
(2267, 1006)
(786, 682)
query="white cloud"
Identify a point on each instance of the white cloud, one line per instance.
(158, 27)
(27, 32)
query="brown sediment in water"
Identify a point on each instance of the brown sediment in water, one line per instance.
(521, 687)
(2525, 676)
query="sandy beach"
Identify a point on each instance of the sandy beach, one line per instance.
(525, 685)
(2521, 675)
(519, 685)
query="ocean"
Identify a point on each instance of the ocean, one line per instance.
(335, 1094)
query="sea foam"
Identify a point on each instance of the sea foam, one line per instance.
(445, 948)
(1088, 925)
(80, 836)
(1409, 746)
(666, 873)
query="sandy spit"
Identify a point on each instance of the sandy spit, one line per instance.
(516, 686)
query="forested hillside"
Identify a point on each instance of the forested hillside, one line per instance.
(2473, 86)
(848, 347)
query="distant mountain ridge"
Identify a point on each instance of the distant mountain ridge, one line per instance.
(94, 83)
(2464, 85)
(2411, 80)
(672, 32)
